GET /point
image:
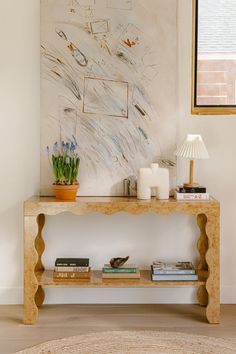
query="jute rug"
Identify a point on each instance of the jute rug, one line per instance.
(136, 342)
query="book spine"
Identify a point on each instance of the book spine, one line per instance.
(121, 275)
(191, 190)
(68, 264)
(72, 262)
(180, 271)
(70, 275)
(119, 270)
(172, 277)
(71, 269)
(192, 196)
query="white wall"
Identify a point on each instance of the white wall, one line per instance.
(144, 237)
(19, 142)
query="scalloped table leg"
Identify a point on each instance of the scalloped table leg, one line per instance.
(213, 261)
(30, 261)
(40, 247)
(202, 245)
(202, 296)
(39, 296)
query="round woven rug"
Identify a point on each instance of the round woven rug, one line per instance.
(135, 342)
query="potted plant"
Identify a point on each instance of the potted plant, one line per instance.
(65, 162)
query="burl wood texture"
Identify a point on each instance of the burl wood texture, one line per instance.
(30, 261)
(202, 294)
(206, 212)
(213, 261)
(40, 247)
(46, 278)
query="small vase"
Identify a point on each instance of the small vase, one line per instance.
(66, 192)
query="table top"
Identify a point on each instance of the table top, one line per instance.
(109, 205)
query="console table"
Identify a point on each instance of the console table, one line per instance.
(207, 214)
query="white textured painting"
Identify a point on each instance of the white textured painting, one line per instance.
(108, 78)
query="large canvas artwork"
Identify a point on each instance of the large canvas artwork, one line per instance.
(108, 80)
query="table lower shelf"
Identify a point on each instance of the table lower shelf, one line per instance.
(96, 280)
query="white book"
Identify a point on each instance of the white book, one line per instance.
(71, 269)
(192, 196)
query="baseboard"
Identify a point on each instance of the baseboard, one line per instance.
(59, 295)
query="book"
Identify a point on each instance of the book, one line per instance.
(127, 268)
(71, 269)
(187, 271)
(199, 189)
(159, 267)
(192, 196)
(71, 275)
(72, 262)
(174, 277)
(121, 275)
(173, 265)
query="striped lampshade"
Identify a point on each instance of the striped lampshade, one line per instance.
(192, 148)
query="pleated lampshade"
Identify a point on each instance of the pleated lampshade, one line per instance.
(192, 148)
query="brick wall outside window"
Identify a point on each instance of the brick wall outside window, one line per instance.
(216, 81)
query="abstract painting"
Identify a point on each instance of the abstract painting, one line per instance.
(108, 80)
(105, 97)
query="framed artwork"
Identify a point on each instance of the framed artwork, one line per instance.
(108, 80)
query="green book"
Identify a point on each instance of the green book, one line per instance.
(127, 268)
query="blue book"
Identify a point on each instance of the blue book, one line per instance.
(187, 271)
(173, 277)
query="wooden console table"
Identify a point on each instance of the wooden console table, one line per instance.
(207, 214)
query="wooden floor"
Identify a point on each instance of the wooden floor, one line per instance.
(58, 321)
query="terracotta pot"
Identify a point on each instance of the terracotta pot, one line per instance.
(66, 192)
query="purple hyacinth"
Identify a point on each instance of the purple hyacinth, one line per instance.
(55, 147)
(63, 146)
(72, 148)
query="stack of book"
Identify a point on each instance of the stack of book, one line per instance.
(171, 271)
(191, 193)
(127, 271)
(71, 269)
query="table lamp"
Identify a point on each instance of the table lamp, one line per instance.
(192, 148)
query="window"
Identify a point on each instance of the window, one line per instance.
(214, 57)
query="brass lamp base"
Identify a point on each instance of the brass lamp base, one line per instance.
(191, 185)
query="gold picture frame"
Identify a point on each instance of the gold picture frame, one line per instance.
(197, 109)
